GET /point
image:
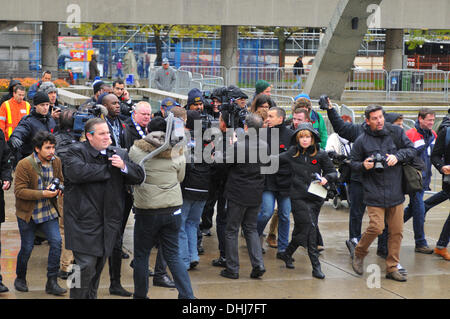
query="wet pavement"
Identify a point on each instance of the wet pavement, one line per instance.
(428, 275)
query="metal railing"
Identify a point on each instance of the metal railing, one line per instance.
(366, 80)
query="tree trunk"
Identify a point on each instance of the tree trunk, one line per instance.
(158, 44)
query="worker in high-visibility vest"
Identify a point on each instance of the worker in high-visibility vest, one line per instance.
(13, 110)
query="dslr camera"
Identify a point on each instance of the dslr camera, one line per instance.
(55, 185)
(323, 102)
(379, 161)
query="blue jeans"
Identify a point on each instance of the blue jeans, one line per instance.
(284, 209)
(148, 230)
(416, 210)
(298, 84)
(27, 230)
(191, 211)
(445, 234)
(436, 199)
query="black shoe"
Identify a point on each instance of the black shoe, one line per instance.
(257, 272)
(351, 247)
(219, 262)
(53, 288)
(317, 272)
(20, 285)
(280, 253)
(287, 259)
(164, 281)
(200, 250)
(64, 274)
(125, 255)
(3, 288)
(118, 290)
(227, 274)
(193, 264)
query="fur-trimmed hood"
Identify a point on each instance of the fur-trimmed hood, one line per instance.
(154, 140)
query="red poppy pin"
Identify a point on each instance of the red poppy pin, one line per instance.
(281, 145)
(314, 161)
(123, 125)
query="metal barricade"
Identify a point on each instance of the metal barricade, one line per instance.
(183, 82)
(367, 80)
(408, 124)
(290, 80)
(246, 77)
(418, 81)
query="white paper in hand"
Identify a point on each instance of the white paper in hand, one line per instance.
(317, 189)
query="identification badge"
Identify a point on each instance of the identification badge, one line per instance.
(316, 189)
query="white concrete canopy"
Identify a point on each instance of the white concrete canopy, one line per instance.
(393, 14)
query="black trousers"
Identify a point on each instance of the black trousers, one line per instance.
(87, 273)
(306, 218)
(115, 261)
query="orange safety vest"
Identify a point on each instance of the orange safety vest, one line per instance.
(9, 124)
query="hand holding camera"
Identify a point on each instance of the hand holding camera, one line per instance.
(324, 102)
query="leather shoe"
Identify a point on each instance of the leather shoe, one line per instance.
(64, 274)
(424, 250)
(193, 264)
(357, 265)
(257, 272)
(317, 272)
(272, 241)
(125, 255)
(280, 253)
(20, 285)
(443, 252)
(396, 275)
(219, 262)
(287, 259)
(351, 247)
(3, 288)
(164, 281)
(227, 274)
(118, 290)
(53, 288)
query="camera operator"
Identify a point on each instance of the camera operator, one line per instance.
(55, 108)
(96, 178)
(382, 184)
(126, 103)
(244, 177)
(440, 157)
(33, 180)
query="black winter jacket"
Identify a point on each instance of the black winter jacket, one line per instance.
(195, 185)
(280, 181)
(27, 128)
(245, 183)
(441, 156)
(94, 198)
(382, 189)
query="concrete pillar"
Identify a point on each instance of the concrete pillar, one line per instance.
(228, 48)
(338, 48)
(49, 46)
(393, 49)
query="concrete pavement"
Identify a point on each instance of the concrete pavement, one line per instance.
(428, 275)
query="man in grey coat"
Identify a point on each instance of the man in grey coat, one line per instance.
(165, 77)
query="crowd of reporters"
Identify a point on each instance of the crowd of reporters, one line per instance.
(173, 181)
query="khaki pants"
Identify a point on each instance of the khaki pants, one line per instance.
(66, 255)
(394, 219)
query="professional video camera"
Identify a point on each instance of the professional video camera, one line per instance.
(379, 161)
(86, 113)
(237, 114)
